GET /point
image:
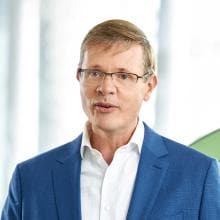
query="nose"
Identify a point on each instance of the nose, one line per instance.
(106, 86)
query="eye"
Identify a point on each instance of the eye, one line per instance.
(94, 73)
(123, 76)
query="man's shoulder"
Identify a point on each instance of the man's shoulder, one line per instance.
(186, 155)
(175, 146)
(177, 152)
(49, 157)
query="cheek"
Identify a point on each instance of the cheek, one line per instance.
(133, 102)
(85, 99)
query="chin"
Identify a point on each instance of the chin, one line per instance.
(107, 125)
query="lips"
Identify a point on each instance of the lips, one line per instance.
(105, 107)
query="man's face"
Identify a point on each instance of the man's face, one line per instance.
(110, 107)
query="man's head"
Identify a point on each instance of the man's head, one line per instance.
(119, 31)
(116, 74)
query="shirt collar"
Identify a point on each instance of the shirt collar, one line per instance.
(136, 139)
(138, 135)
(85, 140)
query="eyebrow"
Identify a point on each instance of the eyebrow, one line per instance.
(98, 67)
(123, 70)
(95, 67)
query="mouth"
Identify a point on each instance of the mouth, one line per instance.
(105, 107)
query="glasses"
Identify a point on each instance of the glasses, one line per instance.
(93, 77)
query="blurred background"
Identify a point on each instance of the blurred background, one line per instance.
(39, 52)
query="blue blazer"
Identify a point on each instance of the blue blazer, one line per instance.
(173, 182)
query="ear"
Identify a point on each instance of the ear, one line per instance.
(150, 86)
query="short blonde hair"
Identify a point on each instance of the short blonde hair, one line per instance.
(113, 31)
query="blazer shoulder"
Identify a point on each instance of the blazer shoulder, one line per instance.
(184, 152)
(58, 153)
(162, 146)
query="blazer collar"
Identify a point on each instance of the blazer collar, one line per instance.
(152, 168)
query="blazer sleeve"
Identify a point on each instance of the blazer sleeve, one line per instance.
(12, 207)
(210, 204)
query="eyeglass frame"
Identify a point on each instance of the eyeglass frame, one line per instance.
(144, 76)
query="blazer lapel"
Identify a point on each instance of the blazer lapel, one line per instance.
(66, 182)
(150, 175)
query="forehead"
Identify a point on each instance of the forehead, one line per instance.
(118, 55)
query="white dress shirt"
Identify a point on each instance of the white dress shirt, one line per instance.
(106, 189)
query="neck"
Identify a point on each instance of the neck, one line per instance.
(108, 142)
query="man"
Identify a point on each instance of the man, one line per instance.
(118, 168)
